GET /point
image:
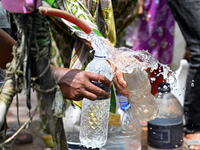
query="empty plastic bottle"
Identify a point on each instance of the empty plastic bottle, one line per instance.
(128, 135)
(95, 114)
(143, 103)
(166, 131)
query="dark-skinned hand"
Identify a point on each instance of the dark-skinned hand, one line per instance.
(76, 84)
(118, 79)
(119, 82)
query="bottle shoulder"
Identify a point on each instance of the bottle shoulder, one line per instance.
(100, 66)
(169, 106)
(168, 98)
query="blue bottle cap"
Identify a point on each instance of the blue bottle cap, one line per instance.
(125, 107)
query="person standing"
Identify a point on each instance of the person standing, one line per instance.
(187, 15)
(5, 26)
(153, 30)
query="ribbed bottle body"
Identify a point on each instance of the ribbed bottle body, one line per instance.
(94, 122)
(95, 114)
(143, 103)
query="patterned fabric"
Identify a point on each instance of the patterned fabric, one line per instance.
(70, 52)
(154, 31)
(62, 45)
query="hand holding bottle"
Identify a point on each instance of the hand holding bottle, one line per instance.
(76, 84)
(118, 81)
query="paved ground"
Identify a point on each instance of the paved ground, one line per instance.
(33, 129)
(37, 143)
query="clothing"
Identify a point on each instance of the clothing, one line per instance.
(187, 15)
(107, 17)
(154, 31)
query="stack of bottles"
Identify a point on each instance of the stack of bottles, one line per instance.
(166, 131)
(128, 135)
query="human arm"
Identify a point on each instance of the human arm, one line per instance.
(6, 44)
(75, 84)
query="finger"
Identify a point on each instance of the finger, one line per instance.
(99, 78)
(90, 96)
(97, 91)
(120, 89)
(120, 78)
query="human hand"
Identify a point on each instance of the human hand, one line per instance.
(76, 84)
(118, 79)
(119, 82)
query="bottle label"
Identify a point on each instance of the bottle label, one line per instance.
(102, 86)
(165, 136)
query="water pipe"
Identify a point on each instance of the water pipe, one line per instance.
(65, 15)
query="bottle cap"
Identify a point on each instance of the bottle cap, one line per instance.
(123, 101)
(125, 107)
(164, 87)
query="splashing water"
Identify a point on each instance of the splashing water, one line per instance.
(126, 59)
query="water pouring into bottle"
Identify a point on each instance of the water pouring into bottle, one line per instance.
(94, 120)
(132, 64)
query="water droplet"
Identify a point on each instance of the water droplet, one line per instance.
(192, 84)
(153, 79)
(126, 59)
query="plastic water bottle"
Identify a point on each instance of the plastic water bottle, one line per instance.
(95, 114)
(166, 131)
(143, 103)
(129, 134)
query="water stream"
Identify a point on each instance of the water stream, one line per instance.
(126, 59)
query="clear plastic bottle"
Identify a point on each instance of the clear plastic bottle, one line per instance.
(95, 114)
(143, 103)
(166, 131)
(129, 134)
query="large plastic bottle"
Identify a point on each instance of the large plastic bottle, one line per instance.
(95, 114)
(143, 103)
(128, 135)
(166, 131)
